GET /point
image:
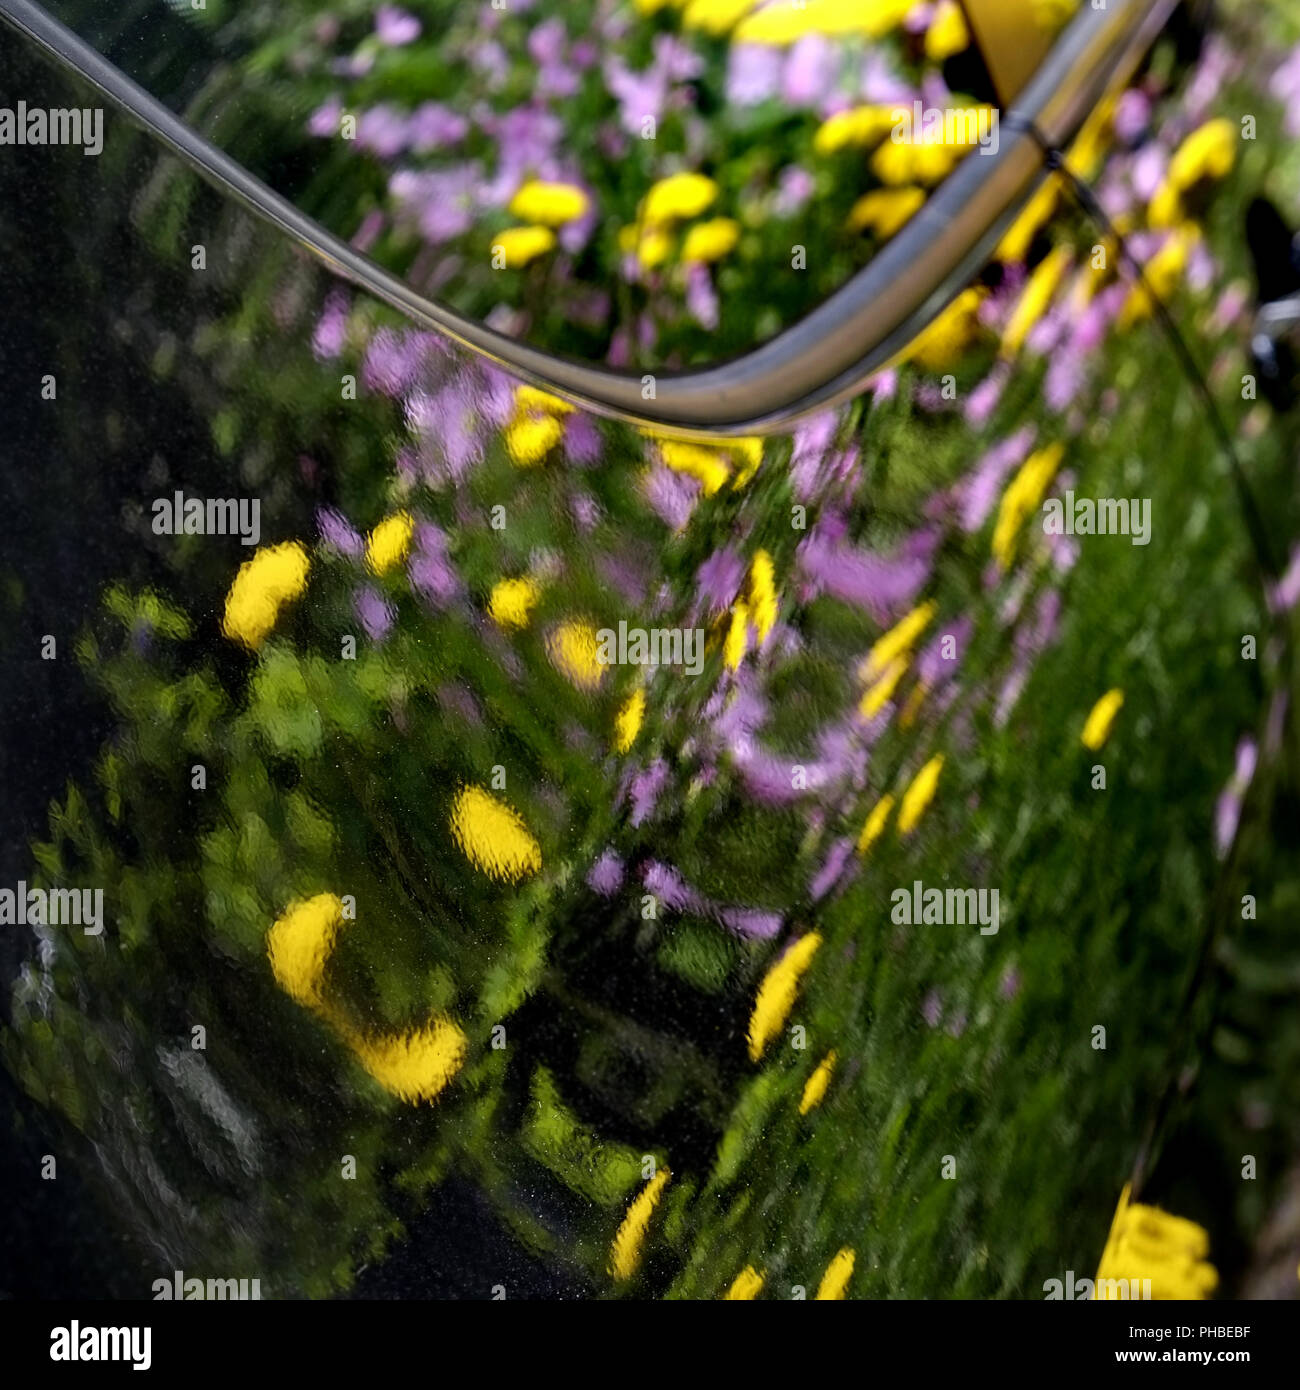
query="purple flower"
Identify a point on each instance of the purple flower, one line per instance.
(672, 889)
(606, 874)
(1227, 811)
(390, 364)
(753, 73)
(331, 329)
(751, 921)
(719, 578)
(430, 567)
(434, 126)
(809, 71)
(325, 119)
(582, 440)
(1286, 592)
(1149, 165)
(1132, 114)
(645, 790)
(1285, 86)
(395, 27)
(701, 298)
(672, 496)
(881, 584)
(983, 400)
(338, 534)
(374, 612)
(980, 491)
(829, 874)
(383, 131)
(795, 187)
(441, 201)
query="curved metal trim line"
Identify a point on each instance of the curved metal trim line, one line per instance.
(824, 358)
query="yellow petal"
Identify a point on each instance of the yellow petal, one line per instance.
(518, 245)
(1101, 719)
(299, 944)
(628, 723)
(875, 823)
(746, 1285)
(625, 1253)
(414, 1065)
(389, 541)
(273, 577)
(549, 204)
(777, 993)
(814, 1090)
(835, 1281)
(919, 795)
(493, 837)
(512, 602)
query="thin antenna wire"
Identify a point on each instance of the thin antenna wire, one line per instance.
(1184, 1030)
(1251, 514)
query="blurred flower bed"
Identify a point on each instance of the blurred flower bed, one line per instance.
(463, 822)
(642, 182)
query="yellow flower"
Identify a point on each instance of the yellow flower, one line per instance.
(678, 196)
(1084, 157)
(710, 241)
(628, 723)
(885, 211)
(926, 160)
(263, 585)
(530, 437)
(300, 943)
(1147, 1243)
(653, 248)
(531, 398)
(859, 126)
(919, 795)
(784, 23)
(575, 649)
(947, 33)
(625, 1253)
(1033, 217)
(875, 824)
(737, 643)
(879, 694)
(700, 461)
(776, 995)
(1101, 718)
(898, 641)
(493, 837)
(747, 453)
(1162, 274)
(512, 602)
(388, 543)
(913, 704)
(835, 1281)
(762, 594)
(944, 340)
(814, 1090)
(747, 1284)
(1022, 497)
(518, 245)
(1035, 298)
(715, 16)
(549, 204)
(413, 1065)
(1207, 153)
